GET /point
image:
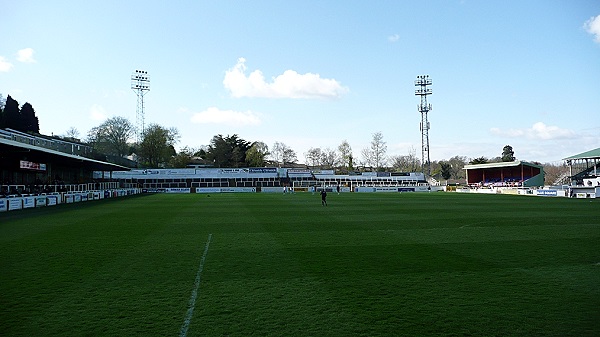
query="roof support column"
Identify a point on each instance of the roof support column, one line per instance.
(522, 175)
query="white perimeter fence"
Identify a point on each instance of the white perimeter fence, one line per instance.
(12, 203)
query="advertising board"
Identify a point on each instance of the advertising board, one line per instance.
(177, 190)
(15, 203)
(546, 193)
(40, 201)
(262, 170)
(28, 202)
(225, 189)
(52, 200)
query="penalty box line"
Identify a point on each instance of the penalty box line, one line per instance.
(192, 302)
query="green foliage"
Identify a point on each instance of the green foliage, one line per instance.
(227, 151)
(28, 121)
(11, 114)
(183, 158)
(366, 265)
(480, 160)
(157, 146)
(508, 154)
(21, 119)
(458, 163)
(446, 170)
(256, 154)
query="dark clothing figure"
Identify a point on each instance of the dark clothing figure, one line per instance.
(323, 197)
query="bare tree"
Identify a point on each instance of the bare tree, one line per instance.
(329, 158)
(72, 133)
(375, 155)
(283, 154)
(407, 163)
(313, 156)
(111, 137)
(345, 155)
(457, 164)
(555, 174)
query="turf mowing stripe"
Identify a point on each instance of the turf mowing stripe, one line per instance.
(192, 302)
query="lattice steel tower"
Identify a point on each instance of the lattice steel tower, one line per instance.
(423, 81)
(140, 83)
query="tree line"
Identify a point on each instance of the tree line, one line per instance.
(18, 118)
(113, 139)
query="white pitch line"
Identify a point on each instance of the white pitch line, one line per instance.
(192, 302)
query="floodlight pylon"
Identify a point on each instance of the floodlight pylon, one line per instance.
(140, 84)
(422, 82)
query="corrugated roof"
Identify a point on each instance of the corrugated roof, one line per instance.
(98, 165)
(591, 154)
(499, 165)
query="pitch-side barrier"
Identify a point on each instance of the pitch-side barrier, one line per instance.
(581, 192)
(12, 203)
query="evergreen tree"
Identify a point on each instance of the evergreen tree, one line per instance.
(28, 121)
(22, 119)
(480, 160)
(508, 154)
(11, 113)
(2, 122)
(446, 170)
(230, 151)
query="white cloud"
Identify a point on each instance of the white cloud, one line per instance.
(394, 38)
(592, 26)
(290, 84)
(97, 113)
(213, 115)
(25, 55)
(538, 131)
(5, 66)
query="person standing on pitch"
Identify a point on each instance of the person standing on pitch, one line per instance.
(323, 197)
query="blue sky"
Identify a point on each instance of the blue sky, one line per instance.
(315, 73)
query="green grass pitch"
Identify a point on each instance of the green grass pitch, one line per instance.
(409, 264)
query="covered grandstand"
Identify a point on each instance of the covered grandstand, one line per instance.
(33, 164)
(584, 174)
(262, 178)
(584, 167)
(505, 174)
